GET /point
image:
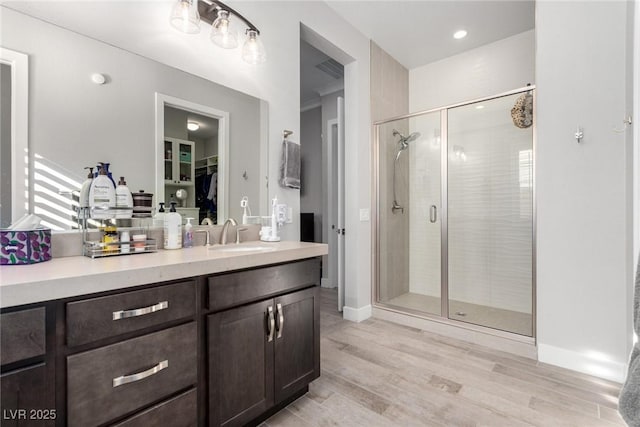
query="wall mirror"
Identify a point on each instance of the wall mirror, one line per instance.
(92, 102)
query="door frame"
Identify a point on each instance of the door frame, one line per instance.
(161, 101)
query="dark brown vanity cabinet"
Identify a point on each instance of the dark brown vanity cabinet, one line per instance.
(262, 353)
(227, 349)
(27, 379)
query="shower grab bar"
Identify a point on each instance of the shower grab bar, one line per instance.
(433, 214)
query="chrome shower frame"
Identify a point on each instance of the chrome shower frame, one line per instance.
(375, 209)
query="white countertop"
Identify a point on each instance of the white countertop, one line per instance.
(78, 275)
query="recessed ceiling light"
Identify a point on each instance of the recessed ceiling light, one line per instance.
(479, 107)
(193, 126)
(460, 34)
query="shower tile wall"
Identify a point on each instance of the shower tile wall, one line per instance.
(389, 98)
(490, 208)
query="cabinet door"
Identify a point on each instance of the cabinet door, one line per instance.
(297, 341)
(240, 364)
(27, 399)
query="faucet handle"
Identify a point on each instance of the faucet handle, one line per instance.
(238, 230)
(207, 238)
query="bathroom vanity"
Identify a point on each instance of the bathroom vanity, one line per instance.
(224, 336)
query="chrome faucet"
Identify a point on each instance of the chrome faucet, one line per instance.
(225, 227)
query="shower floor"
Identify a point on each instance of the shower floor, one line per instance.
(497, 318)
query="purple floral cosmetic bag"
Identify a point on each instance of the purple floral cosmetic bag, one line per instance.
(25, 246)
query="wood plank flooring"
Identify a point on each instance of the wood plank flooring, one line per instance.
(377, 373)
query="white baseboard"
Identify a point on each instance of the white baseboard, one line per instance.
(356, 314)
(326, 283)
(581, 362)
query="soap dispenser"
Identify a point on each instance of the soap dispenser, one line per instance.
(187, 241)
(84, 192)
(124, 199)
(172, 229)
(158, 218)
(102, 196)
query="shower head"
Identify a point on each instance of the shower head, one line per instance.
(405, 140)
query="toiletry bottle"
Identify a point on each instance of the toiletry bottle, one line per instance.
(125, 238)
(102, 196)
(244, 204)
(187, 241)
(84, 194)
(158, 218)
(124, 199)
(105, 166)
(172, 229)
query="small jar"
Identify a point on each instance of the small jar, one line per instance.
(109, 237)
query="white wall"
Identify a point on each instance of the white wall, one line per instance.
(277, 82)
(584, 258)
(488, 70)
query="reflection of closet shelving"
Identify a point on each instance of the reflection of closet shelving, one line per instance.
(206, 165)
(178, 162)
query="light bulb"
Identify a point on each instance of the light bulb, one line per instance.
(193, 126)
(253, 50)
(185, 16)
(223, 32)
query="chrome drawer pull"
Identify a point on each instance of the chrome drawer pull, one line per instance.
(271, 323)
(280, 320)
(123, 314)
(126, 379)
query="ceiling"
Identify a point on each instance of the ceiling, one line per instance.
(314, 82)
(417, 32)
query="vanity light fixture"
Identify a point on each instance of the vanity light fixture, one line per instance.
(460, 34)
(186, 16)
(193, 126)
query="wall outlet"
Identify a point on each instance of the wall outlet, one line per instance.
(281, 214)
(364, 215)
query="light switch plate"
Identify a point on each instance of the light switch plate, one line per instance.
(364, 215)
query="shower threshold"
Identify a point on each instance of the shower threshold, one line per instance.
(491, 317)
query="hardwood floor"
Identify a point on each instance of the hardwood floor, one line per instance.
(377, 373)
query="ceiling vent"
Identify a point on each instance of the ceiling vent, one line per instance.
(332, 67)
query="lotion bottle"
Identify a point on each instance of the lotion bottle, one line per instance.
(172, 229)
(84, 194)
(102, 196)
(124, 199)
(158, 218)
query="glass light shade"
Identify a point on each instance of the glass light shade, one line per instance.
(253, 50)
(185, 16)
(223, 32)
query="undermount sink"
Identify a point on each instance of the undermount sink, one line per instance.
(241, 248)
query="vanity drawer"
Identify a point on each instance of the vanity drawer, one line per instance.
(97, 318)
(111, 381)
(22, 335)
(232, 289)
(181, 410)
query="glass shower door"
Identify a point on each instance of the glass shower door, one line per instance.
(409, 213)
(490, 216)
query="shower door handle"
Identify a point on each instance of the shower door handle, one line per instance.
(433, 214)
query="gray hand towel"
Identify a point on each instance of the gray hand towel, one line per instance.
(290, 165)
(629, 401)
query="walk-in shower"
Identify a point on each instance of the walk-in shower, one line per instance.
(455, 229)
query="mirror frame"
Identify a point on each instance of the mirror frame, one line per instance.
(162, 101)
(21, 177)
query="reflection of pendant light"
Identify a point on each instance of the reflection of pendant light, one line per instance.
(186, 17)
(223, 32)
(253, 50)
(193, 126)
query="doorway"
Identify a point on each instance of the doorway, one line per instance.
(322, 160)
